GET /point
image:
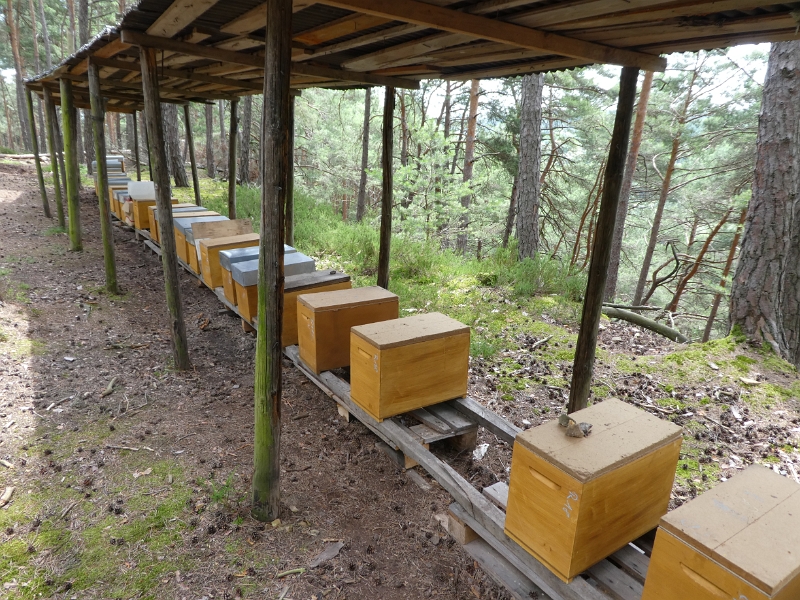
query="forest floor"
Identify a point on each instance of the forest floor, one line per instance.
(143, 492)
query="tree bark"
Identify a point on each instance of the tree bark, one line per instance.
(136, 156)
(46, 36)
(19, 74)
(50, 120)
(234, 128)
(275, 169)
(387, 192)
(37, 159)
(765, 293)
(512, 213)
(128, 133)
(244, 142)
(583, 365)
(362, 184)
(73, 30)
(68, 115)
(289, 226)
(627, 183)
(530, 155)
(187, 117)
(723, 280)
(88, 143)
(469, 161)
(160, 176)
(9, 124)
(210, 141)
(174, 154)
(222, 147)
(662, 199)
(98, 128)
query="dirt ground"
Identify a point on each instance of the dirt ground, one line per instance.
(144, 492)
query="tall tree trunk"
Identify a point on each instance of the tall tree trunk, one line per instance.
(627, 183)
(223, 148)
(362, 184)
(404, 133)
(187, 117)
(46, 36)
(37, 64)
(129, 133)
(724, 279)
(174, 154)
(68, 114)
(512, 213)
(448, 109)
(662, 199)
(19, 73)
(530, 154)
(234, 129)
(244, 143)
(210, 141)
(37, 159)
(58, 173)
(765, 293)
(387, 189)
(72, 30)
(88, 141)
(117, 118)
(469, 161)
(9, 123)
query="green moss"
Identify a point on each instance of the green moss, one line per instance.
(55, 231)
(743, 363)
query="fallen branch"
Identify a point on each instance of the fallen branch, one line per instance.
(67, 510)
(110, 447)
(626, 307)
(632, 317)
(541, 342)
(6, 497)
(299, 571)
(110, 389)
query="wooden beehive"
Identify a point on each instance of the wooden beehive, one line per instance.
(230, 257)
(324, 321)
(209, 254)
(293, 286)
(183, 221)
(401, 365)
(112, 201)
(740, 540)
(152, 216)
(141, 217)
(574, 501)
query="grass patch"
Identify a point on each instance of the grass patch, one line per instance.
(57, 230)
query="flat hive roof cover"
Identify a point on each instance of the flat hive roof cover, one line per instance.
(295, 283)
(338, 299)
(750, 524)
(409, 330)
(184, 223)
(620, 434)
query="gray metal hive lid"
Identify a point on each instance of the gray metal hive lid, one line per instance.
(298, 263)
(185, 225)
(229, 257)
(181, 210)
(245, 273)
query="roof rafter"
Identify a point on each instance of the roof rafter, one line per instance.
(420, 13)
(179, 15)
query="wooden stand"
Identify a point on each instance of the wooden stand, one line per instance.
(738, 540)
(398, 366)
(325, 319)
(574, 501)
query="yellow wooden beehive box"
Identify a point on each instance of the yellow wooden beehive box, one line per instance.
(141, 218)
(324, 321)
(153, 221)
(401, 365)
(294, 285)
(574, 501)
(209, 254)
(740, 540)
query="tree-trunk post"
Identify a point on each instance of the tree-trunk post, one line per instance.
(36, 158)
(361, 206)
(274, 157)
(160, 175)
(192, 160)
(136, 148)
(98, 130)
(232, 159)
(71, 166)
(601, 249)
(386, 192)
(290, 184)
(49, 118)
(60, 149)
(149, 150)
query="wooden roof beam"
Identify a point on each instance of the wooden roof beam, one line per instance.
(256, 18)
(457, 22)
(178, 74)
(178, 16)
(141, 39)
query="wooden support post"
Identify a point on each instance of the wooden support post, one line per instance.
(36, 158)
(148, 148)
(274, 157)
(160, 175)
(71, 166)
(136, 148)
(99, 134)
(50, 124)
(601, 248)
(192, 160)
(60, 148)
(232, 160)
(290, 187)
(386, 192)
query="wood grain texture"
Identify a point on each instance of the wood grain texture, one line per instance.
(152, 219)
(400, 375)
(209, 254)
(324, 321)
(571, 523)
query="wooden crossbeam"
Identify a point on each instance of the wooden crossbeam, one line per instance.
(252, 60)
(166, 89)
(179, 74)
(339, 28)
(364, 40)
(112, 48)
(420, 13)
(178, 16)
